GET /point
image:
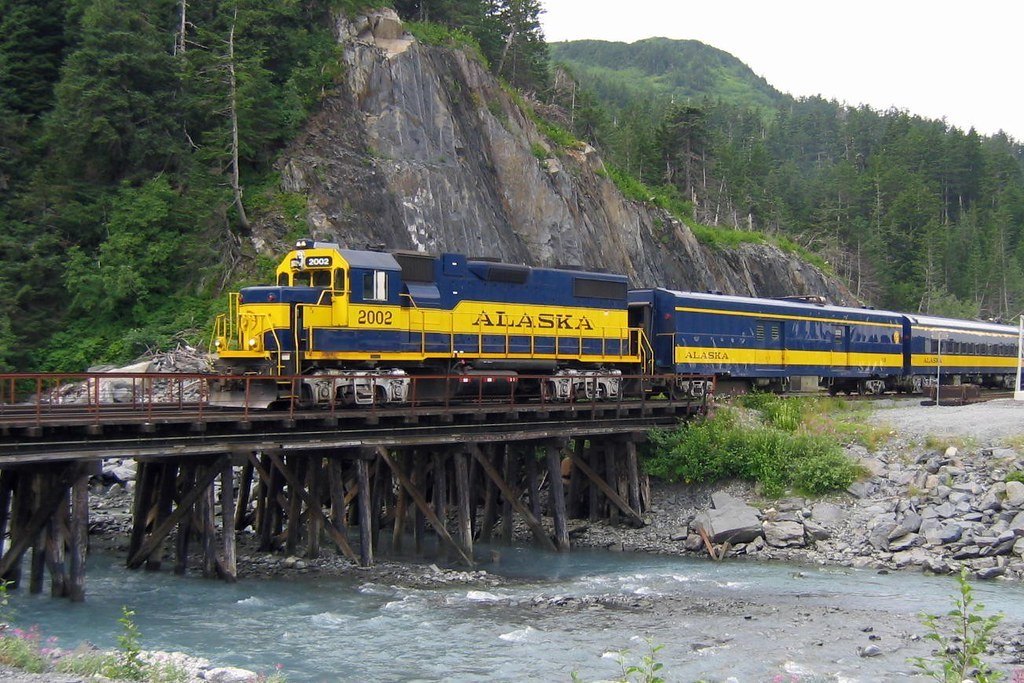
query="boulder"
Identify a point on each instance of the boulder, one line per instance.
(910, 523)
(826, 513)
(913, 557)
(990, 572)
(874, 466)
(878, 537)
(945, 533)
(784, 534)
(861, 489)
(1018, 521)
(230, 674)
(906, 542)
(119, 471)
(1014, 494)
(730, 520)
(816, 532)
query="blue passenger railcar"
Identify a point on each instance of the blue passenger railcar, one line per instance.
(764, 342)
(961, 351)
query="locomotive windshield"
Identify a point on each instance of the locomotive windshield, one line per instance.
(309, 278)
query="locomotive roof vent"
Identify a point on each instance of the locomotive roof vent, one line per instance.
(310, 243)
(815, 299)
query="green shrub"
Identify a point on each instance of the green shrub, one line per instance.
(824, 467)
(782, 413)
(777, 459)
(962, 637)
(21, 650)
(1015, 476)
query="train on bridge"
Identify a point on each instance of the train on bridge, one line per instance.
(365, 327)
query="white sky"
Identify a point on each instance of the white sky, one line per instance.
(962, 61)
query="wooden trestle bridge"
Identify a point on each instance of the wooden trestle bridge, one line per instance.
(300, 478)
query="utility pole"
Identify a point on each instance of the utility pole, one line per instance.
(1018, 393)
(938, 370)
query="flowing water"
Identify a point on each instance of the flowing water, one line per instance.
(558, 615)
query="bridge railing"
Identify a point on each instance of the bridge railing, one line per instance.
(27, 399)
(51, 394)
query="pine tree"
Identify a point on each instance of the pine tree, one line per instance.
(114, 114)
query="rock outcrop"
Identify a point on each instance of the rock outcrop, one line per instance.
(421, 148)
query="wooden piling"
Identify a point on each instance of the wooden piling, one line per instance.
(532, 483)
(611, 473)
(208, 527)
(440, 500)
(56, 548)
(633, 476)
(557, 495)
(463, 495)
(244, 493)
(167, 476)
(188, 476)
(314, 483)
(398, 529)
(79, 534)
(365, 524)
(419, 482)
(490, 500)
(507, 470)
(228, 520)
(297, 467)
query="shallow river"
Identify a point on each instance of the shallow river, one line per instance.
(733, 620)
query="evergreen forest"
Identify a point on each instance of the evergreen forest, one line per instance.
(912, 213)
(138, 139)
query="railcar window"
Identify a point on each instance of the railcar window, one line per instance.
(321, 278)
(507, 272)
(933, 346)
(375, 286)
(282, 280)
(301, 279)
(598, 289)
(339, 280)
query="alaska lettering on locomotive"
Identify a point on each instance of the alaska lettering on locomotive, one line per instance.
(541, 321)
(706, 355)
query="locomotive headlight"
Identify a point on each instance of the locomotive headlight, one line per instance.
(252, 343)
(216, 344)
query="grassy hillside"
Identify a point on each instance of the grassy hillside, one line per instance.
(679, 70)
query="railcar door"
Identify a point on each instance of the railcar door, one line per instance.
(840, 348)
(639, 316)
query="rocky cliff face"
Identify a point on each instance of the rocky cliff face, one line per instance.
(420, 148)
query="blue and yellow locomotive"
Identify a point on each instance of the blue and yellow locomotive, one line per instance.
(358, 326)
